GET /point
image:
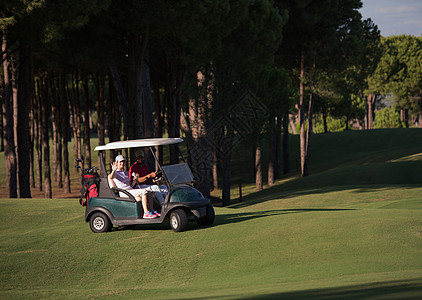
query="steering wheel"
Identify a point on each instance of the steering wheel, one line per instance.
(158, 175)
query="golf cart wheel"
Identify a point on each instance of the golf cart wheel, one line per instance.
(99, 222)
(178, 220)
(209, 218)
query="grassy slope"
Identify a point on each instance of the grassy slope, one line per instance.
(303, 238)
(372, 157)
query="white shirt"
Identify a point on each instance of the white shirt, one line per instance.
(121, 179)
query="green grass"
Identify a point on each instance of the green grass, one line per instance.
(345, 242)
(352, 230)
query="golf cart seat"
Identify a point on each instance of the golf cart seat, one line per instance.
(117, 193)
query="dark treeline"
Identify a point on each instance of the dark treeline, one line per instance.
(142, 69)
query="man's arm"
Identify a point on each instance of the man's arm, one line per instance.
(146, 177)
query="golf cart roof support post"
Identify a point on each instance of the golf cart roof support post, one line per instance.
(151, 148)
(181, 154)
(102, 164)
(155, 156)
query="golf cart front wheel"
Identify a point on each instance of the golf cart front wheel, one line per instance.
(178, 220)
(99, 222)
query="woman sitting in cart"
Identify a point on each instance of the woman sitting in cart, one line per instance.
(139, 173)
(120, 178)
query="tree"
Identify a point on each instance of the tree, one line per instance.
(273, 87)
(45, 112)
(19, 20)
(399, 71)
(346, 83)
(7, 119)
(65, 132)
(387, 118)
(248, 49)
(315, 32)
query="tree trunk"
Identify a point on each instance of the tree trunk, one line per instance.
(9, 142)
(24, 103)
(14, 85)
(2, 130)
(147, 110)
(420, 120)
(123, 103)
(277, 148)
(38, 135)
(324, 118)
(307, 163)
(271, 158)
(137, 45)
(174, 111)
(214, 168)
(65, 134)
(57, 124)
(174, 80)
(158, 120)
(86, 139)
(370, 114)
(286, 151)
(54, 124)
(75, 109)
(404, 115)
(99, 87)
(302, 115)
(196, 127)
(31, 142)
(147, 98)
(258, 169)
(114, 118)
(226, 154)
(45, 113)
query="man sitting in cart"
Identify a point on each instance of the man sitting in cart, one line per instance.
(139, 173)
(120, 178)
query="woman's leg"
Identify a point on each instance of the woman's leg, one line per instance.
(140, 195)
(144, 202)
(150, 197)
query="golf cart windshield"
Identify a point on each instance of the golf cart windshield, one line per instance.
(178, 174)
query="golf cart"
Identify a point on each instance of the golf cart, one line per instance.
(182, 204)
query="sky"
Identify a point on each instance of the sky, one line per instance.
(394, 17)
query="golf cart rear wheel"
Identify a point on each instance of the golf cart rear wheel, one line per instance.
(209, 218)
(99, 222)
(178, 220)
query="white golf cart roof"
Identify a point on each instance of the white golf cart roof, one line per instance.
(139, 143)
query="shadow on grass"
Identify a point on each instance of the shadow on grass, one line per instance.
(286, 191)
(403, 289)
(245, 216)
(225, 219)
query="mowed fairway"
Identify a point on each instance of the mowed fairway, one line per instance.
(329, 248)
(353, 231)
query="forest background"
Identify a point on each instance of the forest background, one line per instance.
(214, 72)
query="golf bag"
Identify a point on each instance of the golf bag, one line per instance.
(90, 186)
